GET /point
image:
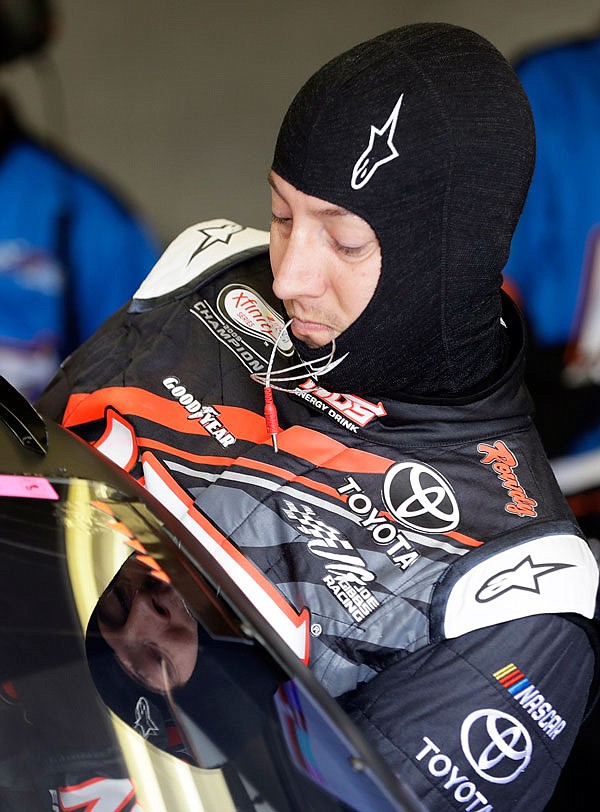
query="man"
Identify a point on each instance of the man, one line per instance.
(407, 537)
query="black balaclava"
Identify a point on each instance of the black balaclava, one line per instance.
(426, 133)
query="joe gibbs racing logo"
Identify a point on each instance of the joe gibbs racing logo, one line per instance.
(246, 310)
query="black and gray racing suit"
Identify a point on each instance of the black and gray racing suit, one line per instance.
(418, 556)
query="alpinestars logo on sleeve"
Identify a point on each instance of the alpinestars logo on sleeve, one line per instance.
(380, 150)
(525, 576)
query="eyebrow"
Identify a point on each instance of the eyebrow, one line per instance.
(330, 211)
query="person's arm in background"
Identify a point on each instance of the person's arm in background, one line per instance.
(541, 271)
(553, 258)
(110, 251)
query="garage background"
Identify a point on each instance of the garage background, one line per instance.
(177, 102)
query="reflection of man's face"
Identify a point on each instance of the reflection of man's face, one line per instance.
(149, 629)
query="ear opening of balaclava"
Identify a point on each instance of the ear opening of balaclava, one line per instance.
(426, 133)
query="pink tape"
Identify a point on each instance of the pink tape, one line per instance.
(30, 487)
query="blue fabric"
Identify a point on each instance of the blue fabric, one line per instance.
(563, 204)
(70, 255)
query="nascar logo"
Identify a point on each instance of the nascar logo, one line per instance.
(528, 696)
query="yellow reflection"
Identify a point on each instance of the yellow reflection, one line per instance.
(163, 783)
(91, 561)
(166, 784)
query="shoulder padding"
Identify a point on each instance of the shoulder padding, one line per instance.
(553, 574)
(198, 251)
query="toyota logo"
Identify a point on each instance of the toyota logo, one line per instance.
(420, 498)
(503, 746)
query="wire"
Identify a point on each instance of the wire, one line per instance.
(282, 376)
(271, 379)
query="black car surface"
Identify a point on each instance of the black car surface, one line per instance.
(206, 709)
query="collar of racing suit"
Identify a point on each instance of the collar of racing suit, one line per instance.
(501, 406)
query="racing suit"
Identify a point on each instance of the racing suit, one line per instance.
(418, 556)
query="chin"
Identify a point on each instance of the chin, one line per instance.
(309, 341)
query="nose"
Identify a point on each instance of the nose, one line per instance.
(297, 267)
(148, 617)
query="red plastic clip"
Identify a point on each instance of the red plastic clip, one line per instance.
(271, 417)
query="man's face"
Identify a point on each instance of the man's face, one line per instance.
(148, 628)
(326, 262)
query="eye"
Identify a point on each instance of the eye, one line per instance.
(114, 607)
(280, 221)
(351, 237)
(158, 608)
(349, 251)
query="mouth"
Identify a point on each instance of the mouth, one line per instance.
(313, 333)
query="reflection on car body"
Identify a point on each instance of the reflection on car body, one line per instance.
(134, 676)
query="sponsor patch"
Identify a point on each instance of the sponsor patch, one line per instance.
(347, 573)
(546, 575)
(383, 532)
(496, 745)
(253, 360)
(350, 411)
(528, 696)
(420, 498)
(451, 775)
(246, 310)
(209, 235)
(197, 251)
(380, 149)
(207, 416)
(504, 462)
(524, 576)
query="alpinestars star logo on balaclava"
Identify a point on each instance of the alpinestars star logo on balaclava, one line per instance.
(144, 724)
(381, 142)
